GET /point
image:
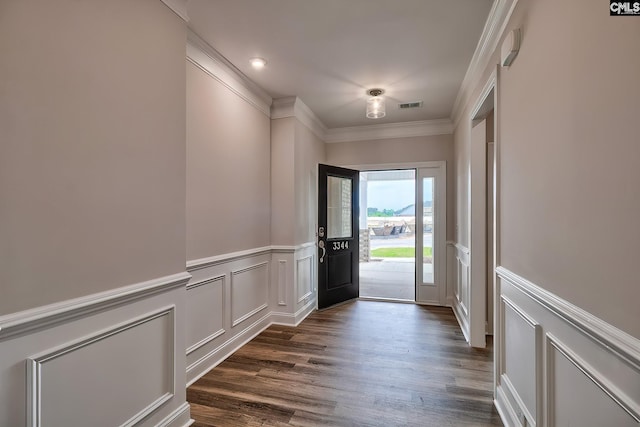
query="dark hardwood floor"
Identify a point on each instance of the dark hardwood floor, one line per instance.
(360, 364)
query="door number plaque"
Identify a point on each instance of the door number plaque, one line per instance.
(340, 245)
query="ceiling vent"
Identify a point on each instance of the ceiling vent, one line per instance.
(406, 105)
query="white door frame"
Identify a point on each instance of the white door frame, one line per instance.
(440, 237)
(477, 216)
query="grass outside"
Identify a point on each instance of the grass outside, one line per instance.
(400, 252)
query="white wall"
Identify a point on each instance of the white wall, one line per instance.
(228, 169)
(92, 154)
(569, 161)
(567, 347)
(92, 216)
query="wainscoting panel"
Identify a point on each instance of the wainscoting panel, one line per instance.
(249, 292)
(233, 297)
(302, 291)
(205, 302)
(64, 381)
(304, 278)
(113, 358)
(559, 364)
(572, 383)
(461, 290)
(520, 368)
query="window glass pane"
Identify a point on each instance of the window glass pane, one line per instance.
(428, 214)
(338, 207)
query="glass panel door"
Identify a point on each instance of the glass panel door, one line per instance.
(431, 238)
(428, 216)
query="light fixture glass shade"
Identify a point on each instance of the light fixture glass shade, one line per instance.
(375, 107)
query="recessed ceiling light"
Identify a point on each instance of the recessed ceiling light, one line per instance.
(257, 63)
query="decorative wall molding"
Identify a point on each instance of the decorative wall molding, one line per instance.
(289, 319)
(461, 291)
(389, 130)
(216, 333)
(461, 248)
(181, 417)
(261, 304)
(585, 369)
(49, 315)
(555, 345)
(262, 290)
(209, 60)
(532, 411)
(282, 282)
(303, 293)
(226, 349)
(198, 264)
(179, 7)
(212, 261)
(623, 344)
(37, 364)
(497, 20)
(294, 107)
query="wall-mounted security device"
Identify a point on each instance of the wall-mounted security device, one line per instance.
(510, 48)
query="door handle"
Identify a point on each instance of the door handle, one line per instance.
(324, 250)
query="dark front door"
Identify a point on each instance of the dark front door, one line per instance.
(338, 235)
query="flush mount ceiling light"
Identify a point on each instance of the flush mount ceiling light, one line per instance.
(375, 104)
(258, 63)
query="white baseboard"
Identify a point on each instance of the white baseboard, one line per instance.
(212, 359)
(181, 417)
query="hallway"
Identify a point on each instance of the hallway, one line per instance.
(361, 364)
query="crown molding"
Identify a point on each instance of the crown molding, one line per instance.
(179, 7)
(209, 60)
(497, 20)
(294, 107)
(390, 130)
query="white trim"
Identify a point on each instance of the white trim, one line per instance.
(288, 319)
(236, 322)
(389, 130)
(461, 248)
(617, 341)
(183, 411)
(38, 318)
(505, 409)
(282, 282)
(294, 107)
(209, 60)
(201, 263)
(499, 16)
(537, 331)
(607, 388)
(198, 264)
(231, 346)
(179, 7)
(298, 261)
(216, 334)
(35, 364)
(522, 408)
(390, 166)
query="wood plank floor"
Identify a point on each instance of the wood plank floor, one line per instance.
(364, 363)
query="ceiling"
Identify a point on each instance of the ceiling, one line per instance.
(329, 52)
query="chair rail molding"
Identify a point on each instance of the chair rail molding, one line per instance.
(38, 318)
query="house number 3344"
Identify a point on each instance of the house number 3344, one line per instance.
(340, 245)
